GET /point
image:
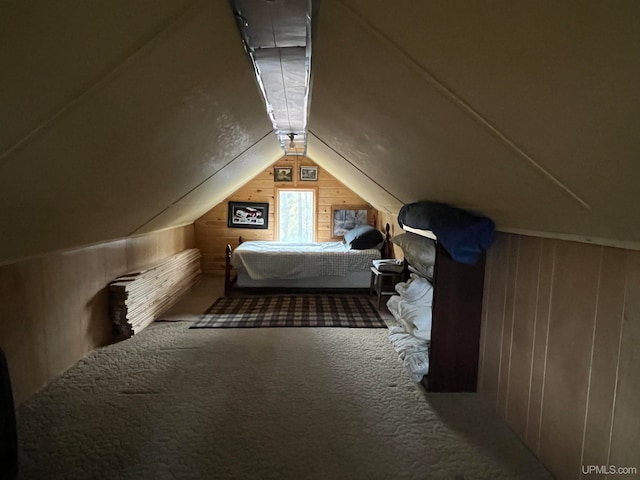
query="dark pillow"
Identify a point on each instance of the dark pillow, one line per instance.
(363, 237)
(419, 251)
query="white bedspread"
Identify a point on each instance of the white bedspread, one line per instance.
(264, 260)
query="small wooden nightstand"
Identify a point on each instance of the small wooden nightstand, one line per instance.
(383, 283)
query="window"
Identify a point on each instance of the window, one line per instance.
(296, 215)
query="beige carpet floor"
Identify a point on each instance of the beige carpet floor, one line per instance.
(273, 403)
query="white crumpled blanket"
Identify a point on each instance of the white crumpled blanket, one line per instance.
(411, 338)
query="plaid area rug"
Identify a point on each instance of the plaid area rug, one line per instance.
(291, 311)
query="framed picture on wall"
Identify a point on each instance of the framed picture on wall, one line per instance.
(248, 215)
(283, 174)
(309, 174)
(347, 217)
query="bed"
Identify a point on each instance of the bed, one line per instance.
(320, 265)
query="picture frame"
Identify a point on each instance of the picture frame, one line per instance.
(309, 174)
(283, 174)
(248, 215)
(347, 217)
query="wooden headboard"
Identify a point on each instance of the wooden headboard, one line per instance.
(387, 246)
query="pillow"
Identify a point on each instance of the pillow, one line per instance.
(363, 237)
(419, 251)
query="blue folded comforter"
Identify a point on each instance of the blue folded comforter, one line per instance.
(461, 233)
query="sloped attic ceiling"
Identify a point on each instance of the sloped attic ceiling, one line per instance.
(527, 112)
(122, 117)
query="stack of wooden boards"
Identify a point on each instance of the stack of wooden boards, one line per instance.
(136, 299)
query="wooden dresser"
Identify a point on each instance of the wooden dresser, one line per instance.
(455, 329)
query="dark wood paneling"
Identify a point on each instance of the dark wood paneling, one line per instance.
(604, 360)
(489, 265)
(507, 326)
(22, 333)
(626, 411)
(580, 394)
(141, 252)
(539, 355)
(522, 336)
(573, 309)
(494, 314)
(64, 298)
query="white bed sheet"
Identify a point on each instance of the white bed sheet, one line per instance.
(278, 260)
(351, 280)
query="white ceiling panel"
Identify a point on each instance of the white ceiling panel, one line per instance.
(419, 131)
(53, 52)
(124, 153)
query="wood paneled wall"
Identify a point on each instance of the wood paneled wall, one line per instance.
(559, 350)
(54, 308)
(213, 235)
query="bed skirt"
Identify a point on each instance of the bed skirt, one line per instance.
(351, 280)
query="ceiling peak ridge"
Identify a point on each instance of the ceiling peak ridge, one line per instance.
(145, 46)
(463, 105)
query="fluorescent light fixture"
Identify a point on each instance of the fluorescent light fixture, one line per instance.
(277, 37)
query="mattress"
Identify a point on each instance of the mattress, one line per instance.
(278, 260)
(351, 280)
